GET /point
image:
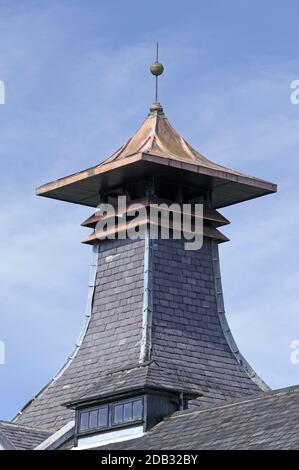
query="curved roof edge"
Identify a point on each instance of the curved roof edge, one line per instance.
(71, 357)
(156, 149)
(225, 326)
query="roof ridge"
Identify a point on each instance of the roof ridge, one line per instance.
(22, 426)
(6, 442)
(239, 401)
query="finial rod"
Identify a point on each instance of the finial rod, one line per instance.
(157, 69)
(157, 60)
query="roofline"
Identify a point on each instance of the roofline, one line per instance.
(224, 323)
(89, 172)
(73, 404)
(238, 401)
(71, 357)
(58, 438)
(6, 443)
(226, 174)
(22, 426)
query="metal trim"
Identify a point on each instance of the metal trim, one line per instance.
(88, 311)
(146, 339)
(58, 438)
(224, 323)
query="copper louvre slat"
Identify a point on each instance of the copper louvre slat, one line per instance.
(208, 214)
(122, 228)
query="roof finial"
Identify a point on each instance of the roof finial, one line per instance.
(157, 69)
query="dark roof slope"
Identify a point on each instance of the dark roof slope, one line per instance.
(265, 421)
(151, 376)
(13, 436)
(110, 342)
(189, 347)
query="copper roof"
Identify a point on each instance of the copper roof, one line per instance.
(156, 149)
(157, 137)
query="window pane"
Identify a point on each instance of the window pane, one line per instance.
(137, 409)
(128, 411)
(118, 413)
(103, 417)
(93, 419)
(84, 418)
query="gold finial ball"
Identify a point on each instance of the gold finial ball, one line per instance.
(157, 68)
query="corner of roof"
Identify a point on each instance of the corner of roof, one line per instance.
(5, 442)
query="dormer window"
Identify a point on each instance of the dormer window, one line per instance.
(127, 411)
(112, 415)
(95, 418)
(101, 420)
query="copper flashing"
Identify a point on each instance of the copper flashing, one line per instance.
(156, 149)
(120, 231)
(210, 215)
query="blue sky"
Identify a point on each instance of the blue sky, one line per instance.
(77, 86)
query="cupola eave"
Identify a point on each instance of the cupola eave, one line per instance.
(156, 149)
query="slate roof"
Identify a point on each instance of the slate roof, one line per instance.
(17, 437)
(150, 376)
(111, 342)
(189, 347)
(264, 421)
(184, 344)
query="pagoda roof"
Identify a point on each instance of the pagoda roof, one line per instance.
(156, 149)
